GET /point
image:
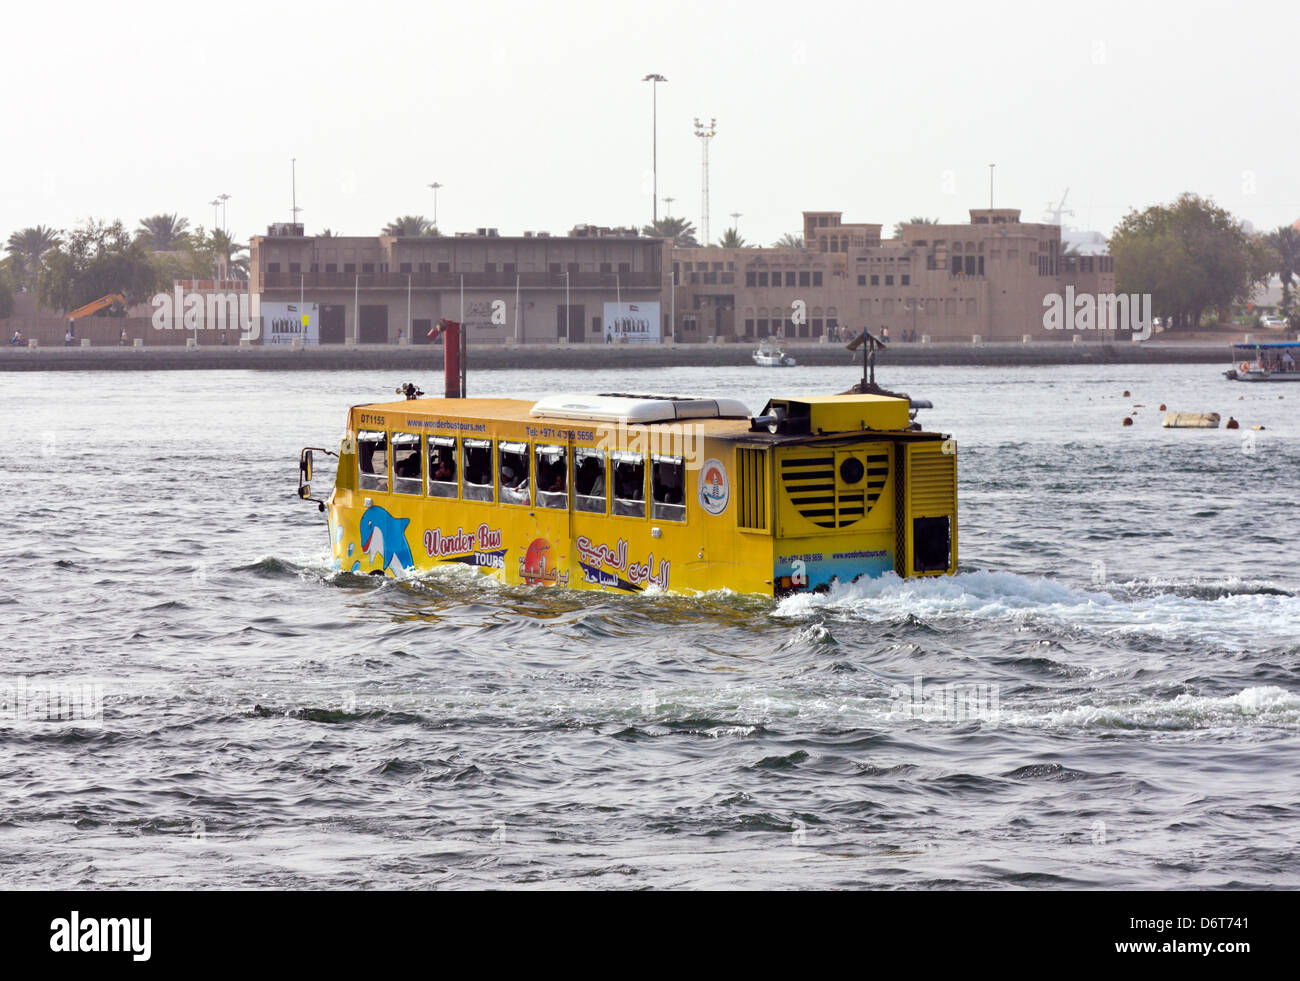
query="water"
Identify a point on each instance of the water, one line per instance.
(1107, 695)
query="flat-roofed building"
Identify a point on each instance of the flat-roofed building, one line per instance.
(531, 288)
(987, 277)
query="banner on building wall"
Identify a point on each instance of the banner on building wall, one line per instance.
(637, 322)
(283, 323)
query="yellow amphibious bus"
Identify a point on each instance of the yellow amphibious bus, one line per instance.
(628, 492)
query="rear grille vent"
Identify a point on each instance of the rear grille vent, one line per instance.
(822, 496)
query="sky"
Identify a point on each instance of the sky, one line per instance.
(534, 116)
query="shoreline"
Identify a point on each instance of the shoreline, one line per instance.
(544, 356)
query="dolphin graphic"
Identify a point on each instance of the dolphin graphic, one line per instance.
(385, 536)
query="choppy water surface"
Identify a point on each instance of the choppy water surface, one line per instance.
(1108, 695)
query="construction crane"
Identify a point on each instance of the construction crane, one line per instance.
(1054, 213)
(115, 300)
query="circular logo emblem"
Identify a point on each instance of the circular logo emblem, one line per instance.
(715, 491)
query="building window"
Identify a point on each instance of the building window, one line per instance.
(331, 267)
(905, 280)
(762, 279)
(668, 497)
(273, 267)
(552, 477)
(817, 278)
(789, 279)
(605, 267)
(749, 327)
(442, 466)
(588, 480)
(407, 476)
(751, 279)
(629, 484)
(426, 267)
(349, 267)
(862, 280)
(512, 465)
(372, 459)
(478, 469)
(804, 278)
(404, 267)
(367, 267)
(889, 280)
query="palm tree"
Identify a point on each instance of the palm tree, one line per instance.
(731, 240)
(27, 250)
(898, 228)
(1285, 243)
(326, 233)
(411, 226)
(681, 231)
(163, 233)
(788, 241)
(226, 255)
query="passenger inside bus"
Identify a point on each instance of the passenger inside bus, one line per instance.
(444, 467)
(589, 479)
(668, 482)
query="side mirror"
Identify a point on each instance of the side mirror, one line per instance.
(304, 475)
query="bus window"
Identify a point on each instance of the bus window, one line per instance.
(442, 466)
(629, 484)
(478, 469)
(589, 481)
(407, 476)
(552, 477)
(372, 459)
(669, 477)
(512, 464)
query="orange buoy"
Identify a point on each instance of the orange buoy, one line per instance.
(1126, 393)
(1231, 424)
(1128, 421)
(1162, 407)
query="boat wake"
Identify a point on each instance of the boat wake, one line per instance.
(1236, 614)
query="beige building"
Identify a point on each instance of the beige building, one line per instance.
(988, 278)
(532, 288)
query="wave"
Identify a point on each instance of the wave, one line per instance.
(1232, 614)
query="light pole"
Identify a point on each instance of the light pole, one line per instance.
(991, 166)
(735, 221)
(435, 185)
(216, 205)
(705, 133)
(668, 207)
(567, 308)
(654, 81)
(223, 198)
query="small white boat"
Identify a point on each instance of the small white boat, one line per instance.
(769, 354)
(1265, 363)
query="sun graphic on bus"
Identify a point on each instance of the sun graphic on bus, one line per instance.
(537, 563)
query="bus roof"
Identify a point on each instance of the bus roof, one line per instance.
(1268, 346)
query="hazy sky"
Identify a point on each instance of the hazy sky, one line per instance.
(534, 115)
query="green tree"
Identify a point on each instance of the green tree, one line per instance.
(731, 240)
(163, 233)
(1191, 256)
(1285, 243)
(98, 259)
(6, 296)
(411, 226)
(326, 233)
(228, 257)
(27, 250)
(898, 226)
(788, 241)
(681, 231)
